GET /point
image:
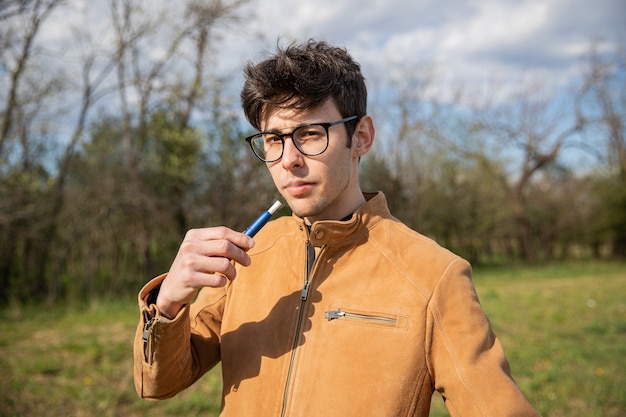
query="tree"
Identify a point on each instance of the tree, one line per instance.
(154, 73)
(147, 76)
(24, 177)
(530, 132)
(604, 91)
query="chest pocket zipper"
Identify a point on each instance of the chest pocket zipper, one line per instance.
(366, 318)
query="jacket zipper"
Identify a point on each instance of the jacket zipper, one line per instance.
(304, 295)
(147, 333)
(338, 314)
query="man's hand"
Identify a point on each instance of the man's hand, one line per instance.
(203, 260)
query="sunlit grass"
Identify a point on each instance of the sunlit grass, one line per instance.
(78, 362)
(563, 328)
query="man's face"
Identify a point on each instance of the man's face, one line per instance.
(322, 187)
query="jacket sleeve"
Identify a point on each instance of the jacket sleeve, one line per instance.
(467, 361)
(166, 359)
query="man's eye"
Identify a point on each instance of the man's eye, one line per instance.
(271, 139)
(310, 133)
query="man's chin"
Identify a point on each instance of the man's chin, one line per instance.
(301, 208)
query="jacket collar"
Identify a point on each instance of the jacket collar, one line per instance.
(328, 232)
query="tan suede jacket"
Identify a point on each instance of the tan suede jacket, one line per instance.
(363, 317)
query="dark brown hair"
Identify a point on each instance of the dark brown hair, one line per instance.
(304, 76)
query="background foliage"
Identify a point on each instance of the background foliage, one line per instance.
(112, 147)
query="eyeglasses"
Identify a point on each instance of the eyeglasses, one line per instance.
(310, 139)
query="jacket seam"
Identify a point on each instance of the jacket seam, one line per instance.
(400, 272)
(455, 360)
(417, 393)
(208, 305)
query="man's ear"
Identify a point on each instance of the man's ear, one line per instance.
(363, 136)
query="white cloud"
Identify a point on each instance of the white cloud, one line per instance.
(496, 24)
(468, 39)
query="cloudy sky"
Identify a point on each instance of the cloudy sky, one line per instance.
(467, 41)
(470, 43)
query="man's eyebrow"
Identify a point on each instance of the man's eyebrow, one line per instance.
(290, 128)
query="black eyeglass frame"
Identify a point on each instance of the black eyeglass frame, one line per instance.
(282, 136)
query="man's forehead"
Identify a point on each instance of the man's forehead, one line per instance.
(291, 115)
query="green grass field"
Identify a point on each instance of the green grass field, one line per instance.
(563, 327)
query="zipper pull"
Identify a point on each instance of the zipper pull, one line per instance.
(334, 314)
(147, 327)
(305, 290)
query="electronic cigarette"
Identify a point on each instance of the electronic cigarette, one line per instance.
(262, 219)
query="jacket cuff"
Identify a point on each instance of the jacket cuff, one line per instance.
(159, 343)
(147, 301)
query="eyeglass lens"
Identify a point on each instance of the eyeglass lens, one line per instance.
(310, 140)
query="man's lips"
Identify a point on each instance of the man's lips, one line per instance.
(298, 188)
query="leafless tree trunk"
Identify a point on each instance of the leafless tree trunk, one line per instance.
(34, 13)
(605, 87)
(531, 127)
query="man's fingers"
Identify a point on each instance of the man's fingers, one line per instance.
(205, 259)
(218, 242)
(221, 233)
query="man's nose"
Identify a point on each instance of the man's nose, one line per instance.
(291, 155)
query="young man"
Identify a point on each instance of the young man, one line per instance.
(337, 310)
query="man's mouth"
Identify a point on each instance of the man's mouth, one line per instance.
(298, 188)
